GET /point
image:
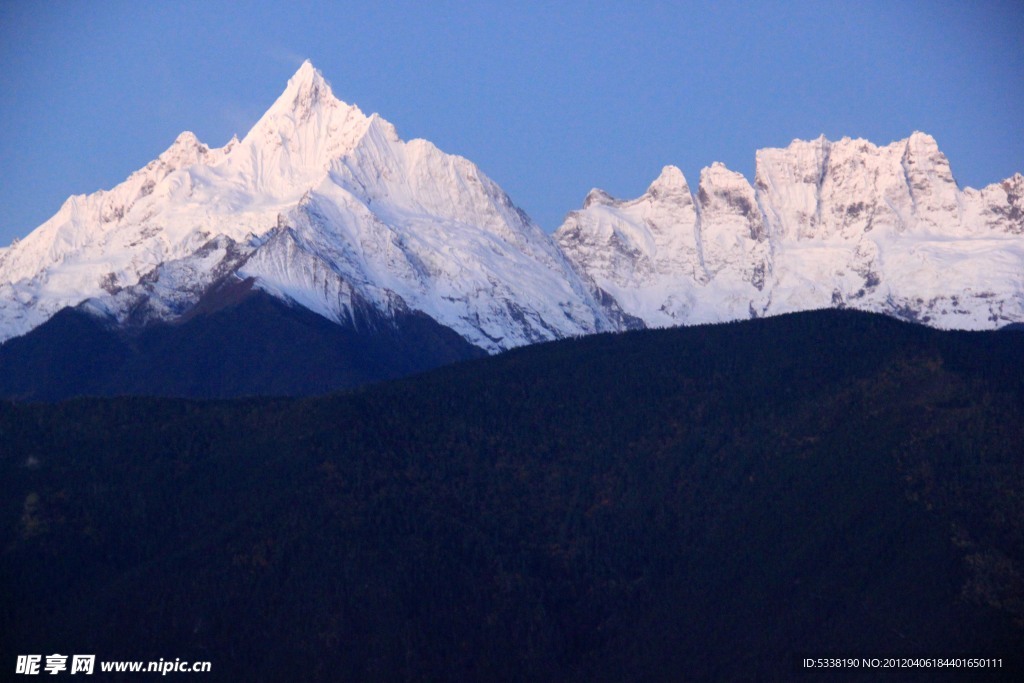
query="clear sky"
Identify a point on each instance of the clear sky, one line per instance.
(548, 98)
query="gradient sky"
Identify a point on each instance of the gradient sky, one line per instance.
(549, 99)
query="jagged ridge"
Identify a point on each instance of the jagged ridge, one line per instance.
(320, 205)
(826, 224)
(327, 208)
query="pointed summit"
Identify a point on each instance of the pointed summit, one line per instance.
(303, 131)
(184, 151)
(597, 196)
(921, 139)
(307, 96)
(186, 139)
(308, 78)
(307, 89)
(306, 72)
(671, 181)
(921, 146)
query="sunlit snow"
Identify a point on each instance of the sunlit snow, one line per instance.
(328, 208)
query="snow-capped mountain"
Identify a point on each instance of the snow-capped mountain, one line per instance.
(844, 223)
(319, 205)
(326, 208)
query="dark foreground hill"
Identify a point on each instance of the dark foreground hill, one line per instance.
(236, 343)
(692, 504)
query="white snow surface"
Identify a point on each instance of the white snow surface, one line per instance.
(320, 205)
(329, 209)
(827, 224)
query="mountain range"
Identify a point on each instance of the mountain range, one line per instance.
(706, 501)
(326, 210)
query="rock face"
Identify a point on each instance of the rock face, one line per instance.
(328, 209)
(827, 224)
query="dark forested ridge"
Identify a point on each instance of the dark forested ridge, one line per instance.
(250, 345)
(690, 504)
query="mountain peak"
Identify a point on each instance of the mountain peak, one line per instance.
(186, 138)
(670, 181)
(922, 143)
(720, 174)
(308, 79)
(597, 196)
(307, 92)
(306, 71)
(306, 89)
(305, 128)
(184, 151)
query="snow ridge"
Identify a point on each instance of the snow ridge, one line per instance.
(329, 209)
(320, 205)
(843, 223)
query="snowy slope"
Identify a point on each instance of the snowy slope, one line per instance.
(844, 223)
(327, 208)
(318, 204)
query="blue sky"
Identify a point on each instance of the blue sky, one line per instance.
(549, 99)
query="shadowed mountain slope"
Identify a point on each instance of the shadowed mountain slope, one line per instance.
(236, 343)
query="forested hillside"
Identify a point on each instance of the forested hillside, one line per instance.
(699, 503)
